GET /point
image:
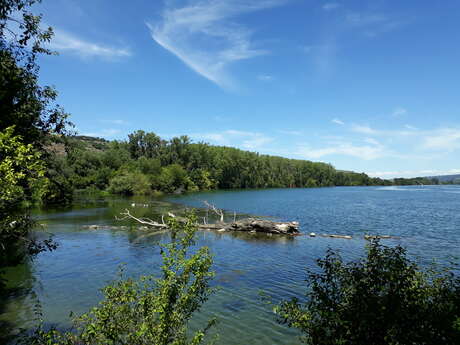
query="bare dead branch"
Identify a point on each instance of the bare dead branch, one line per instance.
(217, 211)
(145, 221)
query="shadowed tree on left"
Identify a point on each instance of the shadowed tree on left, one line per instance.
(29, 119)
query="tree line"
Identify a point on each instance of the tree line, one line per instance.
(146, 164)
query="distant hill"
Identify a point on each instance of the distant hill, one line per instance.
(57, 143)
(447, 178)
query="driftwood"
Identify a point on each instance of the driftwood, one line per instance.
(252, 225)
(255, 225)
(213, 208)
(145, 221)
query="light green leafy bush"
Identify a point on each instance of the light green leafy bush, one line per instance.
(150, 310)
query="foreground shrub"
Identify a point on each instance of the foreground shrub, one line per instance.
(149, 310)
(384, 298)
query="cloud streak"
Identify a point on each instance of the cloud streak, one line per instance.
(265, 77)
(231, 137)
(330, 6)
(413, 173)
(107, 133)
(372, 150)
(116, 122)
(398, 112)
(66, 42)
(205, 36)
(338, 122)
(446, 139)
(372, 23)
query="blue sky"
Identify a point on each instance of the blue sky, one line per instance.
(370, 86)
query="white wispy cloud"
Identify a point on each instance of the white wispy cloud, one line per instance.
(265, 77)
(256, 142)
(413, 173)
(366, 152)
(306, 49)
(222, 118)
(231, 137)
(291, 132)
(331, 6)
(364, 19)
(372, 141)
(116, 122)
(440, 139)
(373, 23)
(66, 42)
(410, 127)
(205, 36)
(324, 56)
(447, 139)
(407, 131)
(103, 133)
(338, 121)
(399, 111)
(363, 129)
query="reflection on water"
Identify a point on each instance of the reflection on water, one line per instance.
(70, 278)
(17, 300)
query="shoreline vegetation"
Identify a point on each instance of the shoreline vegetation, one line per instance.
(146, 164)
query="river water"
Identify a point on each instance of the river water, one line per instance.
(426, 220)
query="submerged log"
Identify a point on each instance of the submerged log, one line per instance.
(378, 237)
(347, 237)
(103, 227)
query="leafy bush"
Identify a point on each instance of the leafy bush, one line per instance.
(130, 183)
(149, 310)
(149, 166)
(22, 182)
(174, 177)
(202, 179)
(382, 299)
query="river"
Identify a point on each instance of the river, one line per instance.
(426, 219)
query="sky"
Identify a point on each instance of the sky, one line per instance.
(368, 86)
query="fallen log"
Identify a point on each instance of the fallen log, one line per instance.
(251, 225)
(255, 225)
(145, 221)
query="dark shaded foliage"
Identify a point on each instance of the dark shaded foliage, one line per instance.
(385, 298)
(28, 116)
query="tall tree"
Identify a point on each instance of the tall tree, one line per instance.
(24, 103)
(28, 115)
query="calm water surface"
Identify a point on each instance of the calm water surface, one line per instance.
(427, 220)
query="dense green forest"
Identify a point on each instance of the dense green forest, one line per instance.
(146, 163)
